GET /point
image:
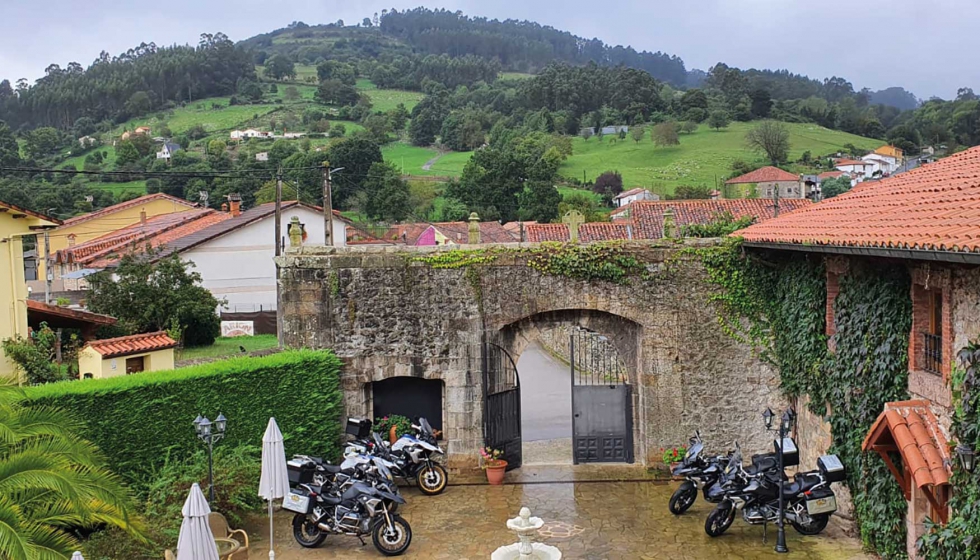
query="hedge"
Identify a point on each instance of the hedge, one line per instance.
(139, 420)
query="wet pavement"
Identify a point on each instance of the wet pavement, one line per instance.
(585, 520)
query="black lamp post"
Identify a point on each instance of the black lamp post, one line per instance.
(968, 457)
(209, 433)
(785, 424)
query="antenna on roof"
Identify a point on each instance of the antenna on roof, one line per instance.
(203, 195)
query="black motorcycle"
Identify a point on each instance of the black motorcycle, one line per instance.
(359, 510)
(808, 500)
(699, 470)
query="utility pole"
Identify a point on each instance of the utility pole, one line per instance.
(327, 206)
(775, 199)
(47, 267)
(278, 253)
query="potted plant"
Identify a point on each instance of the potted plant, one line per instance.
(673, 455)
(490, 460)
(394, 426)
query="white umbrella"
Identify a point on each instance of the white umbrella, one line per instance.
(77, 556)
(274, 483)
(196, 541)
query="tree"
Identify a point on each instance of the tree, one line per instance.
(250, 90)
(138, 104)
(280, 67)
(291, 93)
(761, 103)
(689, 127)
(216, 148)
(356, 156)
(35, 356)
(55, 484)
(771, 139)
(830, 188)
(609, 183)
(637, 132)
(424, 127)
(665, 134)
(335, 92)
(686, 192)
(585, 203)
(387, 194)
(538, 202)
(452, 210)
(41, 142)
(718, 120)
(398, 117)
(377, 126)
(168, 291)
(9, 150)
(126, 153)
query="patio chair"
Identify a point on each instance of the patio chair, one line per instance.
(221, 530)
(167, 555)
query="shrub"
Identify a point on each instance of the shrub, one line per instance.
(402, 425)
(141, 420)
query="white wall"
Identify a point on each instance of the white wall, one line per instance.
(238, 266)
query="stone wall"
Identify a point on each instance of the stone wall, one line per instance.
(387, 315)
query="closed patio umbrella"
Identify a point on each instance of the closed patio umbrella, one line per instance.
(77, 556)
(274, 482)
(196, 541)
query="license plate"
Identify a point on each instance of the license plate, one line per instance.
(821, 505)
(296, 503)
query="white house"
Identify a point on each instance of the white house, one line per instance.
(88, 141)
(856, 168)
(633, 195)
(248, 133)
(883, 163)
(168, 150)
(262, 156)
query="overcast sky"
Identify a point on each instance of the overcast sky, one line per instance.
(929, 48)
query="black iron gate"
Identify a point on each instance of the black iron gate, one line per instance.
(502, 403)
(602, 401)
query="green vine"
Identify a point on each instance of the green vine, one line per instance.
(596, 261)
(457, 258)
(780, 308)
(334, 281)
(960, 537)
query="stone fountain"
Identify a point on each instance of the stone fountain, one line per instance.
(525, 526)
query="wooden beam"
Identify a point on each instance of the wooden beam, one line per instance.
(4, 209)
(936, 507)
(18, 216)
(906, 488)
(885, 447)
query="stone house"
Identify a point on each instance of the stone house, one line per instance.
(924, 220)
(767, 181)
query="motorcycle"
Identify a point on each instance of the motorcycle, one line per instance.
(700, 472)
(359, 510)
(409, 458)
(808, 500)
(373, 471)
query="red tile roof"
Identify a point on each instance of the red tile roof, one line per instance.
(830, 175)
(911, 427)
(630, 192)
(8, 206)
(587, 233)
(134, 344)
(648, 216)
(851, 162)
(457, 232)
(46, 311)
(935, 207)
(128, 204)
(767, 174)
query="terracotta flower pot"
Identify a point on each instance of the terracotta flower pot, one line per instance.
(495, 473)
(393, 434)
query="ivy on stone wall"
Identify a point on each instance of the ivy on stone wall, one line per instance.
(960, 537)
(780, 308)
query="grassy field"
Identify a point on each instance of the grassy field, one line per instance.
(515, 76)
(387, 99)
(229, 347)
(565, 191)
(108, 162)
(117, 189)
(202, 113)
(702, 158)
(408, 158)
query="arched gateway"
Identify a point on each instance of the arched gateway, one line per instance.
(389, 313)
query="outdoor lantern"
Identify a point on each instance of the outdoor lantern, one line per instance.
(787, 419)
(197, 424)
(220, 422)
(767, 417)
(205, 427)
(967, 457)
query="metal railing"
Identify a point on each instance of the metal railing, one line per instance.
(932, 353)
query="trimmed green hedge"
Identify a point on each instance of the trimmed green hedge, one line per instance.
(138, 420)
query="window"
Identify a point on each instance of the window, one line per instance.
(134, 365)
(930, 329)
(933, 337)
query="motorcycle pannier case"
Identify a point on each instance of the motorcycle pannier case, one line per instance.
(821, 501)
(791, 454)
(297, 501)
(831, 468)
(360, 428)
(300, 471)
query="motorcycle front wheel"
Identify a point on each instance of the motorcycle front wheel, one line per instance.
(683, 498)
(719, 520)
(432, 479)
(816, 525)
(393, 541)
(306, 533)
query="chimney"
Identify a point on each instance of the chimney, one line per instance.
(474, 229)
(668, 223)
(235, 204)
(142, 217)
(224, 206)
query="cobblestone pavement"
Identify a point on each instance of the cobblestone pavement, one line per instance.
(586, 520)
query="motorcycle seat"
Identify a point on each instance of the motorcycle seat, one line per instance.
(331, 469)
(331, 500)
(761, 463)
(801, 484)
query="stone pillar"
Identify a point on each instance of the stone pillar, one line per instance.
(474, 229)
(668, 223)
(573, 218)
(295, 232)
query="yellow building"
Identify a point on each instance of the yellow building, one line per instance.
(891, 151)
(86, 227)
(125, 355)
(15, 224)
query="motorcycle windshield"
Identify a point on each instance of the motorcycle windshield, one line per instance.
(382, 468)
(694, 452)
(426, 428)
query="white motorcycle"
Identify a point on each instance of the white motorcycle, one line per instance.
(410, 457)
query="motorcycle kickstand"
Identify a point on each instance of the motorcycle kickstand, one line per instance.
(765, 532)
(362, 540)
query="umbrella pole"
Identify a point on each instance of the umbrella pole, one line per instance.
(272, 552)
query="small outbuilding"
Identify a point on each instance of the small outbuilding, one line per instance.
(124, 355)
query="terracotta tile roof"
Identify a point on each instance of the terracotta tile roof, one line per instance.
(45, 310)
(764, 175)
(539, 233)
(630, 192)
(846, 162)
(457, 232)
(125, 205)
(587, 233)
(648, 216)
(935, 207)
(911, 427)
(830, 175)
(134, 344)
(17, 209)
